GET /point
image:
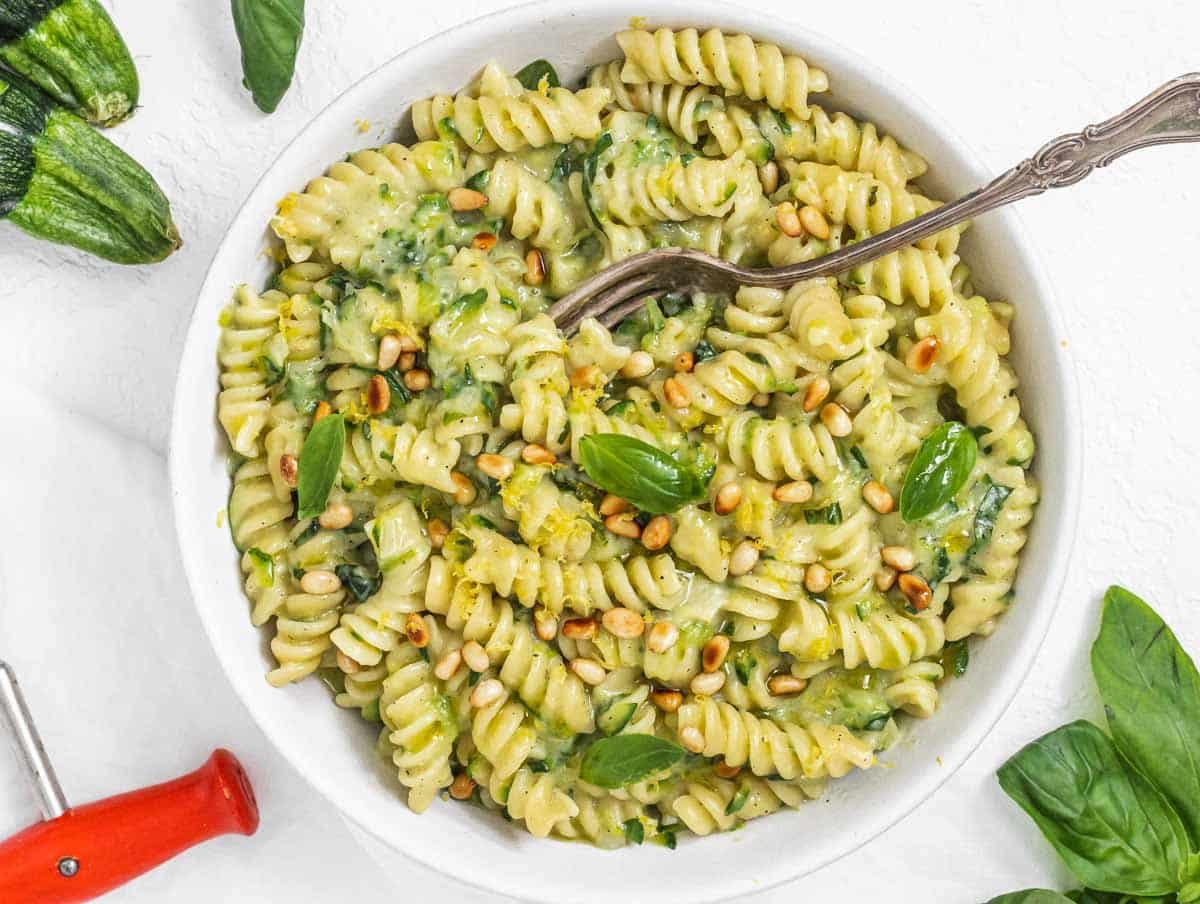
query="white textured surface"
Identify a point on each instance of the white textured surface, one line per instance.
(109, 650)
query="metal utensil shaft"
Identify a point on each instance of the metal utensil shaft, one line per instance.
(28, 744)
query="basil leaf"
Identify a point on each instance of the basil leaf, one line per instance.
(624, 759)
(938, 470)
(1090, 896)
(1031, 896)
(319, 461)
(638, 472)
(269, 32)
(360, 582)
(635, 832)
(985, 516)
(1151, 692)
(1110, 826)
(532, 74)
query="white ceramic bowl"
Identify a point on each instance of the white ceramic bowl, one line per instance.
(334, 749)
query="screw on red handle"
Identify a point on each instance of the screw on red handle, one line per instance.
(92, 849)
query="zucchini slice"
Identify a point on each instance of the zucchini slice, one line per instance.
(71, 50)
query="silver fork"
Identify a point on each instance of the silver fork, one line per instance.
(1170, 114)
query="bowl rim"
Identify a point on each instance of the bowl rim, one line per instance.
(1068, 437)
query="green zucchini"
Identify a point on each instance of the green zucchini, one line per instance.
(63, 181)
(71, 50)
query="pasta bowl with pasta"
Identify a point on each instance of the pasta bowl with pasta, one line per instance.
(627, 587)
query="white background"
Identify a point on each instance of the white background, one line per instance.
(93, 611)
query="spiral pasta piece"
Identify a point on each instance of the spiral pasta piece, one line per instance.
(779, 448)
(677, 190)
(707, 806)
(532, 208)
(258, 521)
(551, 522)
(885, 639)
(914, 689)
(422, 728)
(601, 820)
(305, 621)
(246, 357)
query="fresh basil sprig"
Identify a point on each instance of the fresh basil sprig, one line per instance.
(269, 32)
(636, 471)
(624, 759)
(1031, 896)
(530, 76)
(320, 458)
(938, 470)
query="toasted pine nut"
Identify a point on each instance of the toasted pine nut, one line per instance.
(666, 699)
(464, 490)
(588, 670)
(466, 199)
(878, 497)
(662, 637)
(486, 692)
(676, 393)
(535, 267)
(915, 590)
(416, 379)
(922, 355)
(685, 363)
(322, 410)
(447, 665)
(768, 175)
(782, 685)
(417, 630)
(475, 656)
(289, 469)
(657, 533)
(623, 623)
(836, 420)
(816, 578)
(407, 343)
(587, 376)
(347, 665)
(320, 581)
(814, 222)
(760, 400)
(579, 628)
(885, 579)
(613, 505)
(788, 220)
(899, 557)
(724, 770)
(379, 396)
(533, 454)
(495, 466)
(640, 364)
(691, 738)
(623, 525)
(728, 498)
(712, 657)
(794, 492)
(438, 531)
(336, 516)
(406, 362)
(545, 625)
(462, 787)
(389, 352)
(707, 683)
(484, 241)
(816, 393)
(743, 558)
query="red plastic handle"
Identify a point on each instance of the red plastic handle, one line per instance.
(94, 848)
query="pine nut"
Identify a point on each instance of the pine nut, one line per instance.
(379, 397)
(922, 355)
(623, 623)
(486, 692)
(535, 267)
(533, 454)
(623, 525)
(319, 582)
(613, 505)
(691, 738)
(322, 410)
(666, 699)
(389, 352)
(475, 656)
(545, 625)
(447, 665)
(885, 579)
(676, 393)
(464, 490)
(657, 533)
(496, 467)
(417, 630)
(794, 492)
(724, 770)
(782, 685)
(814, 222)
(836, 420)
(407, 343)
(816, 578)
(760, 400)
(336, 516)
(439, 530)
(579, 628)
(640, 364)
(685, 362)
(406, 362)
(878, 497)
(587, 376)
(768, 175)
(712, 657)
(817, 392)
(788, 220)
(743, 559)
(589, 671)
(289, 469)
(462, 787)
(466, 199)
(728, 498)
(915, 590)
(347, 665)
(416, 379)
(662, 637)
(899, 557)
(484, 241)
(707, 683)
